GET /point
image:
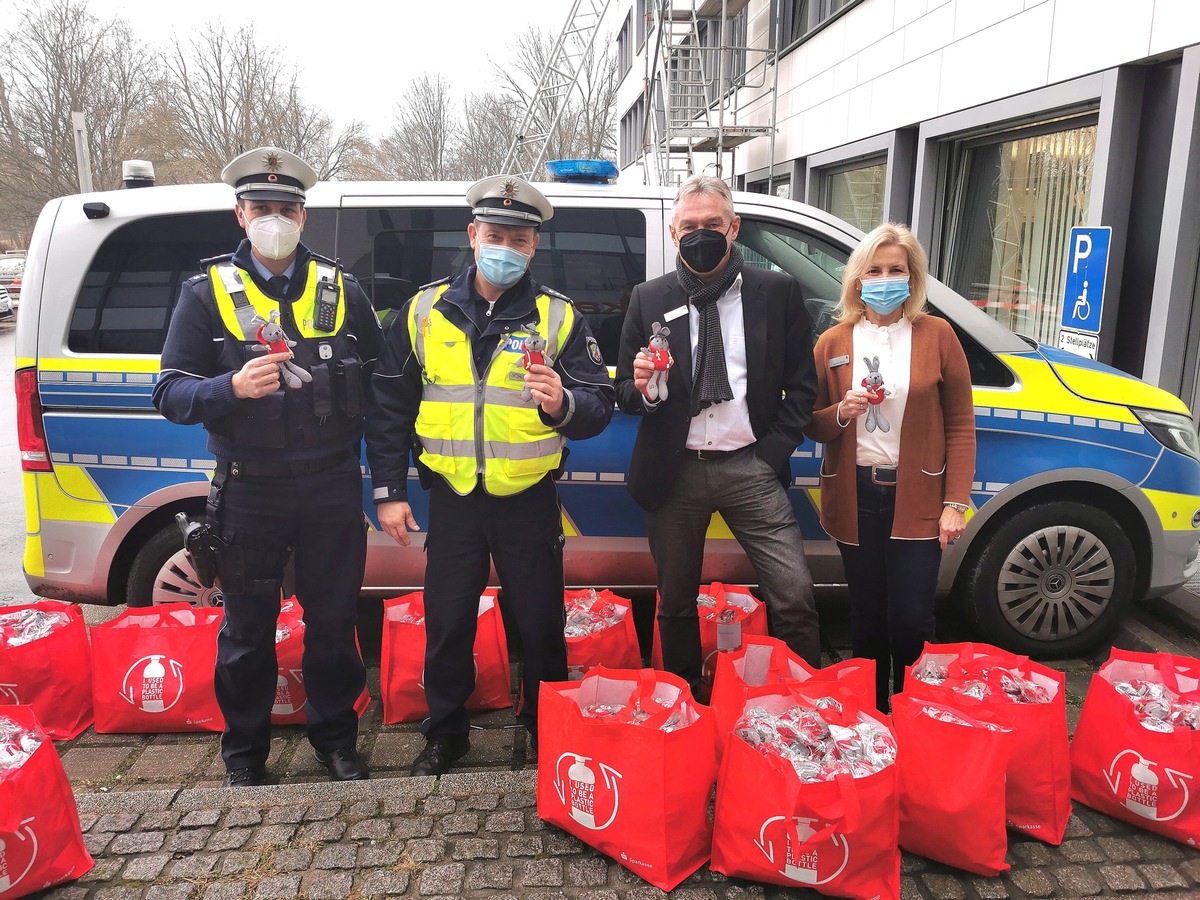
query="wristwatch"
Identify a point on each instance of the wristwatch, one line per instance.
(961, 507)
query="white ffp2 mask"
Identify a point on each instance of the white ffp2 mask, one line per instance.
(275, 237)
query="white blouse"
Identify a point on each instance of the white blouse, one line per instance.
(882, 356)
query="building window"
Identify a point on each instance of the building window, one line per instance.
(645, 18)
(625, 47)
(1014, 199)
(855, 192)
(632, 124)
(800, 18)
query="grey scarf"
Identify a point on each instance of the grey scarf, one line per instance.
(711, 382)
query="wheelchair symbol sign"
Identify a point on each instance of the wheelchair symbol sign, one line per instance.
(1083, 297)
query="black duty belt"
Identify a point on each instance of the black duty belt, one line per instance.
(257, 468)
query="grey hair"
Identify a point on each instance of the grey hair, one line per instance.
(699, 185)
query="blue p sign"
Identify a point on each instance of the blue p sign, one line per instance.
(1083, 297)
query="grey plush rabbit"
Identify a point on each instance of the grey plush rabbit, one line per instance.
(660, 350)
(876, 393)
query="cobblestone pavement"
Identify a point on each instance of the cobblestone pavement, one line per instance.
(161, 827)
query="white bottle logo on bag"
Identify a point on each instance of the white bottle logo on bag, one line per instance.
(800, 863)
(153, 684)
(1142, 794)
(283, 697)
(582, 783)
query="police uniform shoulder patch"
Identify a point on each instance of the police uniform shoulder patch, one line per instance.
(593, 350)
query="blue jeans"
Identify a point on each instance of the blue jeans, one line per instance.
(892, 586)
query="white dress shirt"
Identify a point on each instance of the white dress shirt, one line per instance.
(724, 426)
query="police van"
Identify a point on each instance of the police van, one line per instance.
(1087, 482)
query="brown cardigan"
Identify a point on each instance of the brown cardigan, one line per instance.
(937, 435)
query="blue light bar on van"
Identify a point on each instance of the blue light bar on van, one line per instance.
(583, 171)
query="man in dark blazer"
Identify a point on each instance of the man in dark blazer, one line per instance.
(719, 434)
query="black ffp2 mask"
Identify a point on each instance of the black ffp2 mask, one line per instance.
(703, 249)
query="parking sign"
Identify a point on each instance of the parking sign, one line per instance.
(1083, 296)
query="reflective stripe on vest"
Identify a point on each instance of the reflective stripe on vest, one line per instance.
(244, 307)
(470, 425)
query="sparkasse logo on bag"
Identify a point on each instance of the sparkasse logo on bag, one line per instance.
(591, 803)
(18, 853)
(1137, 784)
(152, 685)
(783, 841)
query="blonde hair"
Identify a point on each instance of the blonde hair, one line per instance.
(850, 307)
(699, 185)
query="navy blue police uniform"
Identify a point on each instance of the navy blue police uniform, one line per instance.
(287, 481)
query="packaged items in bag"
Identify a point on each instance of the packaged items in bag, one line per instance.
(290, 692)
(600, 632)
(951, 767)
(1135, 754)
(41, 843)
(1030, 699)
(46, 664)
(807, 794)
(728, 613)
(402, 664)
(626, 764)
(153, 669)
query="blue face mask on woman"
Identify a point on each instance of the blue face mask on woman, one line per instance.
(502, 266)
(885, 295)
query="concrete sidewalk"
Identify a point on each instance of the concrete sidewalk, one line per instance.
(160, 825)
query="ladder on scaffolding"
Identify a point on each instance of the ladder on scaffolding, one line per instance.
(691, 91)
(557, 82)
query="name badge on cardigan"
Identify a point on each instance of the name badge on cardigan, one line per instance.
(838, 361)
(675, 313)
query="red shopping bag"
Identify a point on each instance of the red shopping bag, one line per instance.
(635, 792)
(600, 632)
(46, 664)
(1038, 796)
(41, 843)
(951, 769)
(402, 667)
(838, 836)
(152, 670)
(290, 694)
(727, 614)
(1123, 760)
(763, 661)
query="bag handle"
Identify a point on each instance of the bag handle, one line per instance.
(845, 812)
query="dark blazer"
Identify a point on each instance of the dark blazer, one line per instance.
(781, 377)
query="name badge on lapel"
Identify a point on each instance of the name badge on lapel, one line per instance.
(675, 313)
(838, 361)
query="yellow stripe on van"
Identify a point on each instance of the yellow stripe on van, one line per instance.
(98, 364)
(35, 563)
(24, 362)
(1175, 510)
(568, 525)
(718, 530)
(1041, 391)
(69, 495)
(814, 497)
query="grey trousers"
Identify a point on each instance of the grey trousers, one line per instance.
(748, 495)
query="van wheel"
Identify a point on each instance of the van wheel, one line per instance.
(1054, 580)
(161, 573)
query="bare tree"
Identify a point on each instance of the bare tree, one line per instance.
(421, 144)
(221, 94)
(490, 122)
(60, 59)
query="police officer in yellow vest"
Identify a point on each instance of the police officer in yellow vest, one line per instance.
(270, 349)
(492, 373)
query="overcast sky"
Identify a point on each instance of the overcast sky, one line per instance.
(356, 56)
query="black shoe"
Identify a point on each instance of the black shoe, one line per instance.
(248, 777)
(343, 765)
(439, 753)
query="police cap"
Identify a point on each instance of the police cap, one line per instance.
(268, 173)
(508, 200)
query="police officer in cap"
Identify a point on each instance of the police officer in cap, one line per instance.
(270, 349)
(492, 373)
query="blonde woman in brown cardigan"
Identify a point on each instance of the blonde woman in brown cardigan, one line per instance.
(894, 410)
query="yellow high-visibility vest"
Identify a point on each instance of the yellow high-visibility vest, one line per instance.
(239, 300)
(471, 426)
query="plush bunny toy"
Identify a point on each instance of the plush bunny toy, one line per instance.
(534, 355)
(660, 353)
(876, 393)
(272, 339)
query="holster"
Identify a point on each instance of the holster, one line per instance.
(199, 545)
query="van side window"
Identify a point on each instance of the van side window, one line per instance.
(814, 262)
(594, 256)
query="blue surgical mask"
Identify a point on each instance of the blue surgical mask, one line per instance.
(502, 266)
(885, 295)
